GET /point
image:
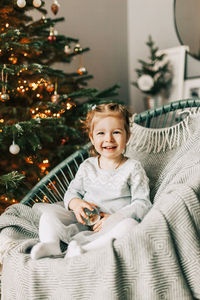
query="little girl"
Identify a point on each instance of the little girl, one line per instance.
(117, 185)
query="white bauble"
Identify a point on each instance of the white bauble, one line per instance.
(67, 49)
(37, 3)
(145, 83)
(14, 148)
(21, 3)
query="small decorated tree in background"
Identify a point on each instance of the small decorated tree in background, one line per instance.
(40, 106)
(154, 78)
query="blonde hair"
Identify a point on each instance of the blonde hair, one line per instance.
(102, 111)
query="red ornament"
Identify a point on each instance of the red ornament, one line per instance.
(50, 88)
(55, 7)
(51, 38)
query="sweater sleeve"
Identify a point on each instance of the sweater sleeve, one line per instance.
(140, 201)
(75, 188)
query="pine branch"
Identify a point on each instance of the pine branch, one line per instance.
(110, 92)
(84, 93)
(11, 180)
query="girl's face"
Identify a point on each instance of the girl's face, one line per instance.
(109, 136)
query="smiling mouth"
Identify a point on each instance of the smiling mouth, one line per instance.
(110, 147)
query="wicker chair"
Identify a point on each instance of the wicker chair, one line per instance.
(53, 186)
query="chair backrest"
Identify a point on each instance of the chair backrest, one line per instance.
(52, 187)
(168, 114)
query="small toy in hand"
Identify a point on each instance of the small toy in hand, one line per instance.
(93, 216)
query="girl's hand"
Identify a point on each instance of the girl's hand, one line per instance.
(98, 226)
(78, 205)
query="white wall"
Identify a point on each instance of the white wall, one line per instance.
(116, 31)
(155, 17)
(146, 18)
(100, 25)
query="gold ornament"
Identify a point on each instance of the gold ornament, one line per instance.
(82, 70)
(55, 97)
(4, 97)
(55, 7)
(43, 20)
(4, 78)
(13, 59)
(77, 49)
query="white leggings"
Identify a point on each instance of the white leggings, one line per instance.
(118, 231)
(56, 223)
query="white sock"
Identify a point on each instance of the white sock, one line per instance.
(45, 249)
(74, 249)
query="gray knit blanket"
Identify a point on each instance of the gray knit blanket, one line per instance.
(158, 259)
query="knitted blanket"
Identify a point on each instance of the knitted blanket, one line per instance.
(158, 259)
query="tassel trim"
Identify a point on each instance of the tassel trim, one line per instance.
(159, 139)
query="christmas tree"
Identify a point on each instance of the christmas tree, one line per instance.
(155, 75)
(40, 106)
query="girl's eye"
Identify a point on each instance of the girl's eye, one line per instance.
(116, 132)
(100, 133)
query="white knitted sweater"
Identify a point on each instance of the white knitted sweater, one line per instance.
(124, 190)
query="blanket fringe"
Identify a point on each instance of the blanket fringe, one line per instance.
(159, 139)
